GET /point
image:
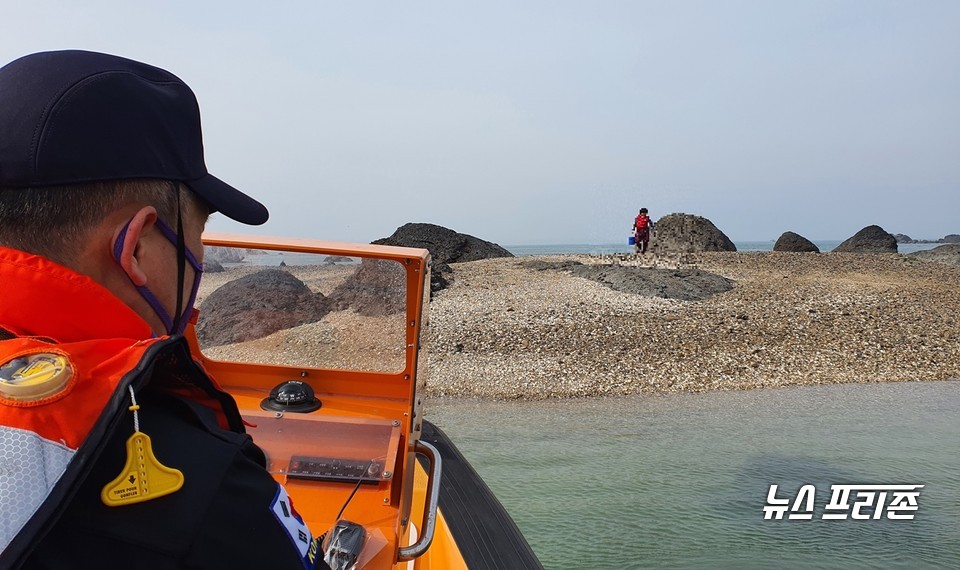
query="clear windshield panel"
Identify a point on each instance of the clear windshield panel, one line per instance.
(302, 310)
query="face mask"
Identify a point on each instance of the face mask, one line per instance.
(180, 324)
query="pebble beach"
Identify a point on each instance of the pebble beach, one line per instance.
(506, 330)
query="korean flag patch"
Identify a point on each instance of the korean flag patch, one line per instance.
(296, 529)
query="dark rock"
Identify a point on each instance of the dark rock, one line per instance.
(257, 305)
(335, 259)
(438, 277)
(949, 254)
(871, 239)
(903, 238)
(376, 288)
(683, 284)
(790, 241)
(223, 254)
(952, 238)
(212, 266)
(686, 233)
(446, 246)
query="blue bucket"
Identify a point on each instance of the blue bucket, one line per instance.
(632, 240)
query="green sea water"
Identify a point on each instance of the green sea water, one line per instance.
(680, 481)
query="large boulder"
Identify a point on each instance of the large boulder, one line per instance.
(446, 246)
(257, 305)
(949, 254)
(686, 233)
(375, 289)
(871, 239)
(790, 241)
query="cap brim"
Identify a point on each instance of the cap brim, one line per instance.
(229, 201)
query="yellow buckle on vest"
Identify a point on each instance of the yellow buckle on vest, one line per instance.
(142, 478)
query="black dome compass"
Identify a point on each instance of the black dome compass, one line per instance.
(291, 396)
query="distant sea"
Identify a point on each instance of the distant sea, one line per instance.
(608, 248)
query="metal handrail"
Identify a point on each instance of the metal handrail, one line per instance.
(429, 523)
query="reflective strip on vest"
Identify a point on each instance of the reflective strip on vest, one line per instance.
(29, 467)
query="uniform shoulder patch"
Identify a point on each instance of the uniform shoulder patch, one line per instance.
(292, 523)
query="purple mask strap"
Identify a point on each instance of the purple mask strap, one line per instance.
(168, 233)
(181, 323)
(146, 293)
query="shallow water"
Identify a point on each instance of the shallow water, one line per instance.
(680, 481)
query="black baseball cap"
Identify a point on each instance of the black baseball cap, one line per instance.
(69, 117)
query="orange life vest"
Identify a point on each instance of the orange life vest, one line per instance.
(54, 422)
(43, 435)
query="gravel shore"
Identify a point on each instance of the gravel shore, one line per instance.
(507, 329)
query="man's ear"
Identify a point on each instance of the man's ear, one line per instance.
(142, 221)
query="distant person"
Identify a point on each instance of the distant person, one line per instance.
(641, 232)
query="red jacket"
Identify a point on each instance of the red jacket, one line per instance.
(642, 222)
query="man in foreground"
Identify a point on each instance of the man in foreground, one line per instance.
(116, 449)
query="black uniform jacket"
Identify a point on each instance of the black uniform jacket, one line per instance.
(220, 518)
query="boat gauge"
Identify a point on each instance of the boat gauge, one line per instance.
(291, 396)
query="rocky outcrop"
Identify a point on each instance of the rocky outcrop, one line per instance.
(257, 305)
(949, 254)
(375, 289)
(871, 239)
(686, 233)
(212, 266)
(951, 238)
(223, 254)
(446, 246)
(790, 241)
(904, 238)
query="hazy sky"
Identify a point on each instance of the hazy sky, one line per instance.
(553, 122)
